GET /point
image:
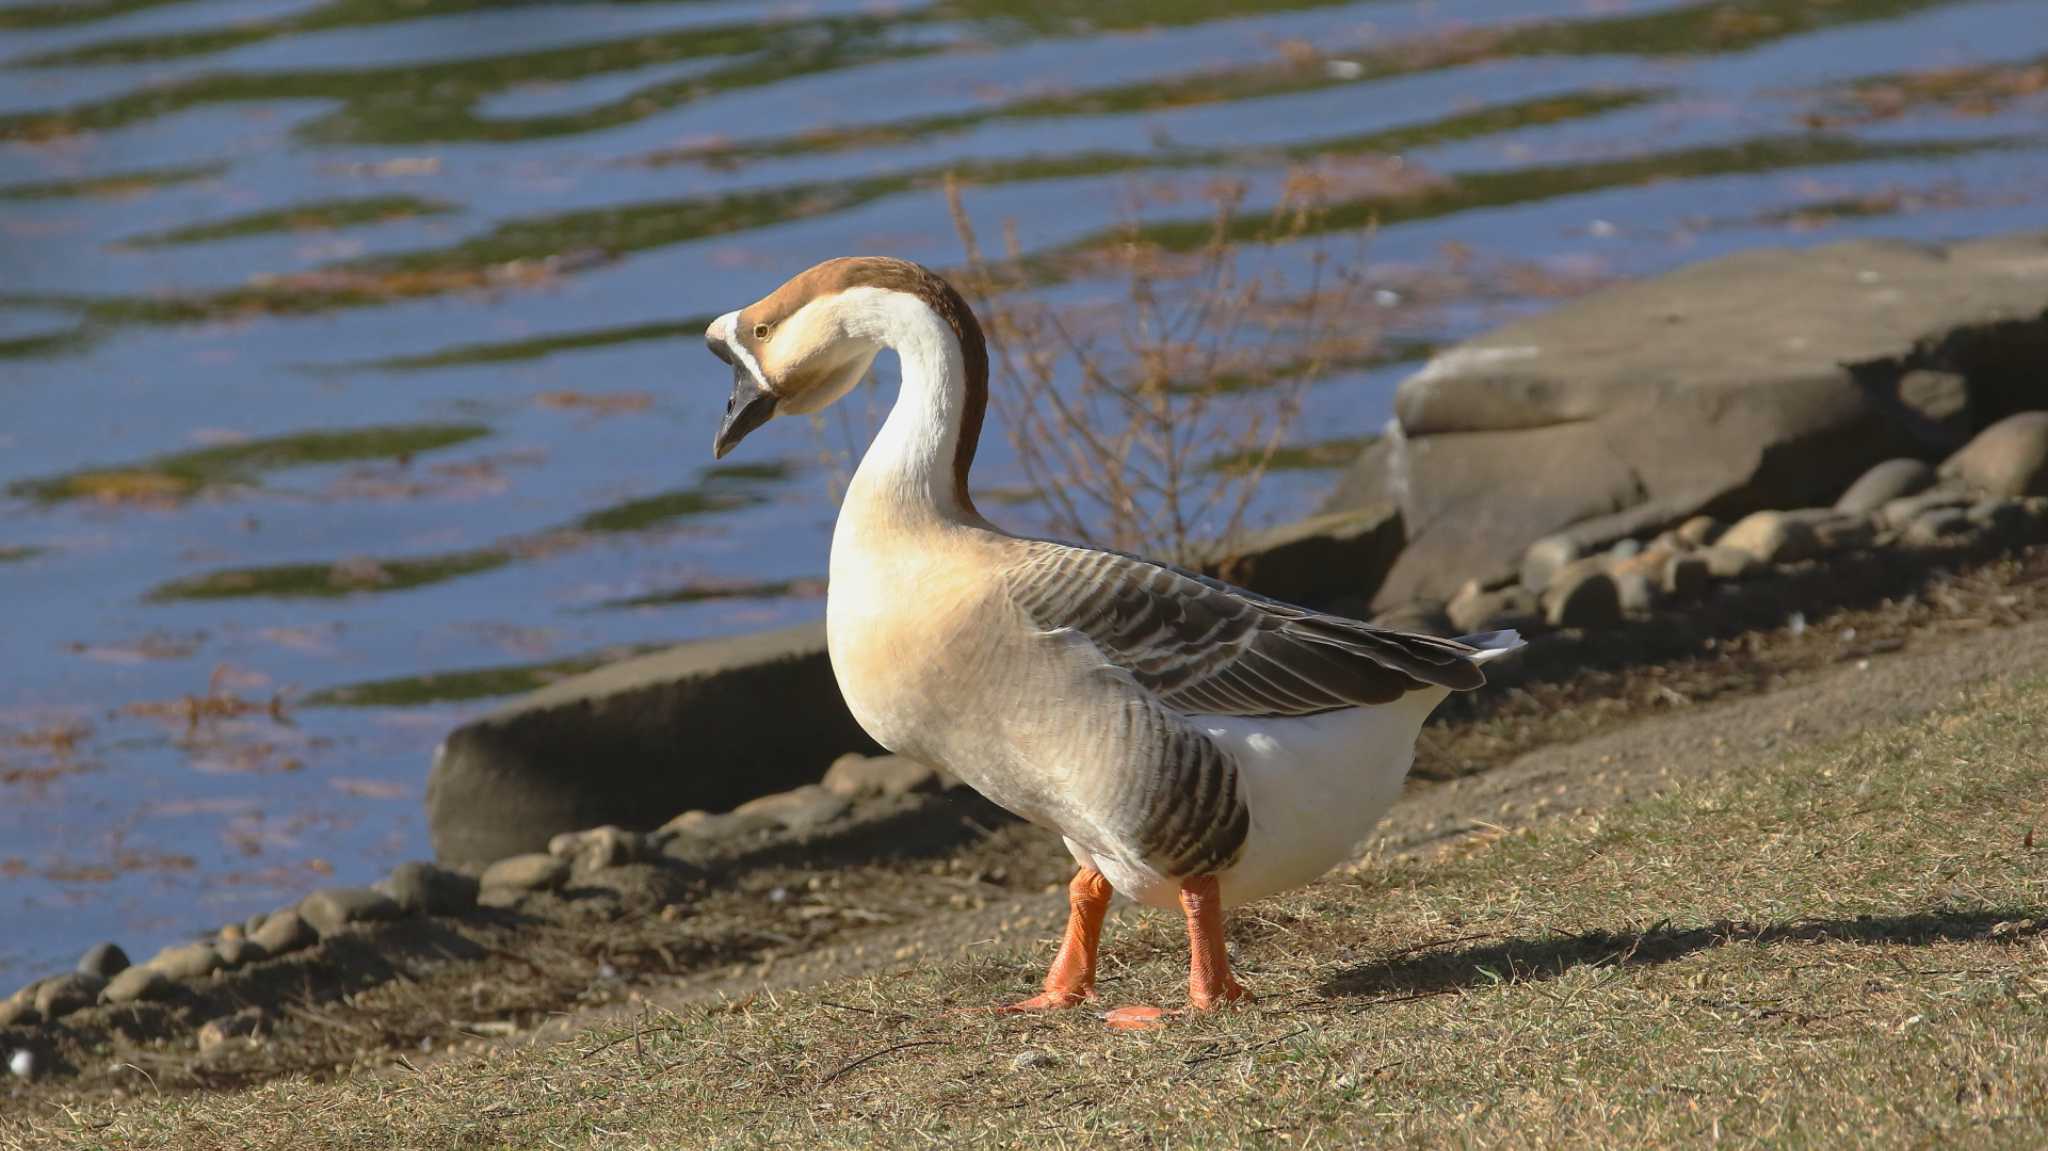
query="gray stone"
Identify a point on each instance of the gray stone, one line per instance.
(1888, 481)
(1340, 553)
(2007, 459)
(425, 889)
(1938, 526)
(1772, 538)
(600, 847)
(1513, 607)
(1700, 531)
(137, 983)
(105, 960)
(1835, 531)
(1637, 595)
(799, 809)
(187, 960)
(856, 776)
(64, 994)
(1729, 563)
(1685, 577)
(704, 725)
(1898, 513)
(284, 932)
(2007, 519)
(534, 871)
(1544, 559)
(1939, 405)
(1727, 387)
(238, 951)
(1583, 595)
(330, 909)
(714, 827)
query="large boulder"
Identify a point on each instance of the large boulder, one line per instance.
(705, 725)
(1768, 379)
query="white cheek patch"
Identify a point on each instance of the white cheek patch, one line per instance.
(731, 320)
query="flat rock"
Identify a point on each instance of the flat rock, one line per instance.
(799, 809)
(332, 908)
(1898, 513)
(64, 994)
(187, 960)
(1478, 610)
(1888, 481)
(137, 983)
(2009, 459)
(704, 725)
(425, 889)
(282, 932)
(105, 960)
(1766, 379)
(856, 776)
(533, 871)
(714, 826)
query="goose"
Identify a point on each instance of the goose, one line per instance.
(1196, 745)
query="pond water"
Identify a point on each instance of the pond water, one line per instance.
(350, 375)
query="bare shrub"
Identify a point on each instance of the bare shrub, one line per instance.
(1149, 426)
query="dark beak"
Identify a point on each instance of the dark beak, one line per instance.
(748, 408)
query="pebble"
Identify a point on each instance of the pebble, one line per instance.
(105, 960)
(2009, 458)
(854, 775)
(61, 996)
(244, 1024)
(1728, 563)
(1772, 538)
(1545, 559)
(135, 983)
(22, 1063)
(709, 826)
(534, 871)
(1699, 531)
(599, 848)
(1900, 513)
(235, 952)
(799, 809)
(1508, 607)
(1685, 577)
(282, 932)
(329, 909)
(425, 889)
(187, 960)
(1938, 526)
(1582, 596)
(1888, 481)
(1027, 1060)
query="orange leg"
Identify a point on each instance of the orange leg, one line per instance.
(1071, 980)
(1210, 984)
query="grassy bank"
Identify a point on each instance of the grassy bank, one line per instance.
(1843, 949)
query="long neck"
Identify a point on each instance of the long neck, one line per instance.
(918, 463)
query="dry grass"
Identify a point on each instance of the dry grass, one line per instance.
(1843, 950)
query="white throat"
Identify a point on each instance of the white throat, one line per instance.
(908, 470)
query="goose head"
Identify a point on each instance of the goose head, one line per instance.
(807, 343)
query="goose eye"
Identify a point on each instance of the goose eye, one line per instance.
(760, 331)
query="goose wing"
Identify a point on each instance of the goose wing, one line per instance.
(1202, 647)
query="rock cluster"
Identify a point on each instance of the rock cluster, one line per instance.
(1995, 487)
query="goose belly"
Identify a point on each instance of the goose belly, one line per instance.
(1314, 786)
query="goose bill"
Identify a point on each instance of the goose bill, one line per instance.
(748, 408)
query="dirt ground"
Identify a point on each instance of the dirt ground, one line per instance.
(1585, 725)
